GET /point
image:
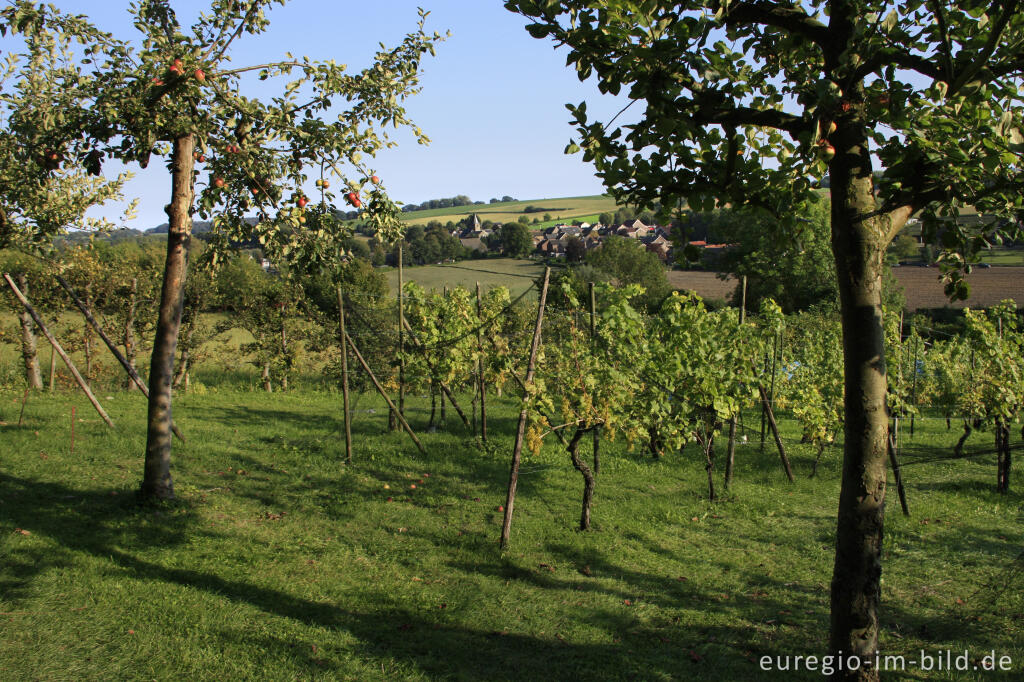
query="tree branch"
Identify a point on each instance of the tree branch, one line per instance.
(902, 59)
(787, 17)
(974, 65)
(746, 116)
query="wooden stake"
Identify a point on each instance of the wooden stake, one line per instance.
(593, 349)
(401, 334)
(72, 430)
(60, 351)
(383, 393)
(136, 379)
(730, 454)
(770, 414)
(517, 451)
(344, 379)
(480, 366)
(894, 462)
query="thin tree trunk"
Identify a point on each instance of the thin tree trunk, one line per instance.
(157, 481)
(129, 330)
(1002, 457)
(709, 463)
(29, 348)
(817, 460)
(344, 378)
(958, 449)
(730, 453)
(588, 477)
(517, 450)
(266, 378)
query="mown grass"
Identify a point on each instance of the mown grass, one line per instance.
(1003, 256)
(280, 562)
(516, 274)
(565, 208)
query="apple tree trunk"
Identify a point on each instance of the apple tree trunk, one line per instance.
(29, 352)
(156, 481)
(859, 239)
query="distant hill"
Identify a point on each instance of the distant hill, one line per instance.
(561, 209)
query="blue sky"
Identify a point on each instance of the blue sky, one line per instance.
(492, 100)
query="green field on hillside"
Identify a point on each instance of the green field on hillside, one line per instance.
(568, 208)
(513, 273)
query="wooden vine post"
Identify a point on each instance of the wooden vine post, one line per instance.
(517, 450)
(344, 378)
(60, 351)
(593, 349)
(444, 414)
(894, 462)
(128, 368)
(730, 456)
(480, 365)
(401, 334)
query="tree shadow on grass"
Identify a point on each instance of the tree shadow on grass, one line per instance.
(425, 642)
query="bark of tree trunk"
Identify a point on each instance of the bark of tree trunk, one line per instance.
(267, 386)
(156, 481)
(129, 329)
(29, 347)
(859, 239)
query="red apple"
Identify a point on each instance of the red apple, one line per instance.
(200, 75)
(218, 182)
(375, 180)
(302, 201)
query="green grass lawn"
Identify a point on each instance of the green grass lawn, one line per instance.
(566, 208)
(516, 274)
(1003, 256)
(279, 562)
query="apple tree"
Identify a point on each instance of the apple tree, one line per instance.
(242, 160)
(45, 186)
(908, 108)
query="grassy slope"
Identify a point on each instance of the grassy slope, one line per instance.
(566, 208)
(513, 273)
(280, 562)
